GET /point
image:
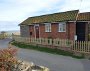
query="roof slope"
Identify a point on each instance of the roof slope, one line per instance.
(84, 16)
(56, 17)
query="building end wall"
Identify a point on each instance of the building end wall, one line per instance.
(24, 31)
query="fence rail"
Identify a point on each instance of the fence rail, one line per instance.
(81, 46)
(77, 46)
(44, 41)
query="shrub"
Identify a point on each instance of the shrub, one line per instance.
(7, 58)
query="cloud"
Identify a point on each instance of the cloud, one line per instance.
(82, 5)
(16, 9)
(8, 25)
(19, 10)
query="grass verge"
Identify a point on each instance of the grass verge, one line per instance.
(45, 49)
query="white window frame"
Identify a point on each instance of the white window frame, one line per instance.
(47, 27)
(62, 27)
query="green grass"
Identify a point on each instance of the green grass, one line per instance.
(45, 49)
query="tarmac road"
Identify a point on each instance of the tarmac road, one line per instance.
(54, 62)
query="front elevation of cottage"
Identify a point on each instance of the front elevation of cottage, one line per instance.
(65, 25)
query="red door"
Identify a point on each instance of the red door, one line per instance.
(37, 31)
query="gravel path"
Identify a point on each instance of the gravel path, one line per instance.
(54, 62)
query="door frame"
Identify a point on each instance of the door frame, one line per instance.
(83, 31)
(35, 30)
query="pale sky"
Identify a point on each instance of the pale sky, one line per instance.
(13, 12)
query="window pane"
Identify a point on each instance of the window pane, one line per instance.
(62, 27)
(48, 27)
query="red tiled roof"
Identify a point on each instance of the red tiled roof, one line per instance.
(84, 16)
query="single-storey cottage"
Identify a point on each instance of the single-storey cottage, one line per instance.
(71, 25)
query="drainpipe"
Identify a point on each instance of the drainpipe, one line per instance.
(68, 31)
(75, 36)
(88, 27)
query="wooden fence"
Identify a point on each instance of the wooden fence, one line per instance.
(77, 46)
(44, 41)
(81, 46)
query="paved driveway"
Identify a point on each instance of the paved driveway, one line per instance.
(54, 62)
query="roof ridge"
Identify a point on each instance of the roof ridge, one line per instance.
(54, 17)
(84, 12)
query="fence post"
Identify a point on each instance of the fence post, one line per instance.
(79, 46)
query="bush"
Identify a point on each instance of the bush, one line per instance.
(7, 59)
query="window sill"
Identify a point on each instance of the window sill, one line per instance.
(62, 31)
(47, 32)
